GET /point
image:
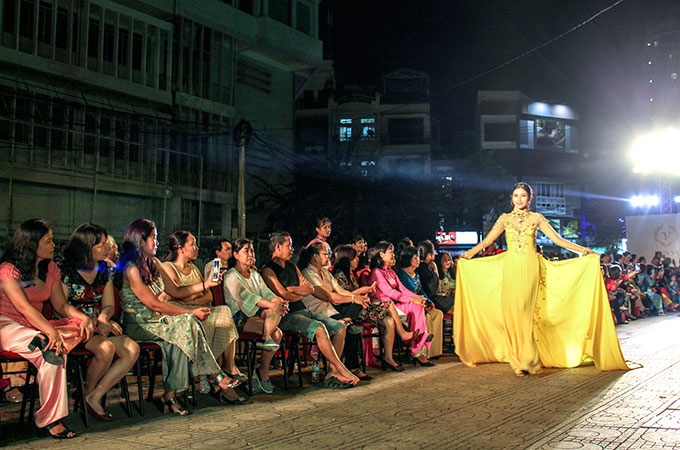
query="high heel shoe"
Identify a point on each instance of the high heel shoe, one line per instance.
(228, 393)
(106, 417)
(416, 361)
(66, 434)
(180, 411)
(396, 368)
(416, 335)
(40, 341)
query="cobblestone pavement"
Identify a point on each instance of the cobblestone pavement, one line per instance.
(448, 406)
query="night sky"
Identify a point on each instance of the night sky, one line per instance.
(595, 69)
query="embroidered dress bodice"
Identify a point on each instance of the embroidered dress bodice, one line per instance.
(520, 227)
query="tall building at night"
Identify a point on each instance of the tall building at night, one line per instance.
(113, 110)
(369, 130)
(537, 142)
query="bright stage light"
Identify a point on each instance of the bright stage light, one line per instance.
(676, 199)
(657, 152)
(645, 200)
(637, 201)
(651, 200)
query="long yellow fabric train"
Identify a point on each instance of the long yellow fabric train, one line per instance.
(519, 308)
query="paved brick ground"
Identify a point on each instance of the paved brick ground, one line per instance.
(449, 406)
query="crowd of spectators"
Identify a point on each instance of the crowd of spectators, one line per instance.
(639, 288)
(105, 299)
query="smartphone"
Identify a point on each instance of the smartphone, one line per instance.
(216, 269)
(637, 267)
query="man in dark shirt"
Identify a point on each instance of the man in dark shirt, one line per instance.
(286, 281)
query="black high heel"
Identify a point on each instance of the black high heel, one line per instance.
(416, 361)
(40, 342)
(397, 368)
(180, 411)
(66, 434)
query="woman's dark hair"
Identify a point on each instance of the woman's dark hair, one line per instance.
(22, 251)
(357, 238)
(138, 232)
(650, 269)
(403, 243)
(525, 187)
(177, 240)
(308, 253)
(344, 255)
(236, 247)
(406, 256)
(425, 248)
(440, 269)
(78, 251)
(380, 247)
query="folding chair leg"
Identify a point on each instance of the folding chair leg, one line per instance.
(249, 365)
(284, 363)
(138, 374)
(126, 395)
(80, 388)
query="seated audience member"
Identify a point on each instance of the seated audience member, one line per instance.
(220, 249)
(175, 329)
(381, 314)
(323, 232)
(286, 281)
(28, 278)
(178, 266)
(335, 301)
(618, 298)
(403, 243)
(647, 284)
(409, 261)
(430, 278)
(88, 286)
(447, 276)
(358, 243)
(255, 308)
(390, 289)
(112, 254)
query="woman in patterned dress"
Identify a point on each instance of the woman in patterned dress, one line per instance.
(219, 326)
(88, 286)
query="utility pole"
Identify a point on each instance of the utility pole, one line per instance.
(242, 133)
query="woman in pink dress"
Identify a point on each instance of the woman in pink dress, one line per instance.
(389, 288)
(28, 278)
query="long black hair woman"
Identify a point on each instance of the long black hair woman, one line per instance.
(178, 331)
(28, 278)
(518, 308)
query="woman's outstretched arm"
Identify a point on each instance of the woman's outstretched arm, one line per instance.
(549, 231)
(490, 238)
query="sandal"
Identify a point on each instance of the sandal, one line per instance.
(335, 383)
(50, 356)
(13, 394)
(364, 377)
(180, 411)
(66, 434)
(269, 345)
(228, 393)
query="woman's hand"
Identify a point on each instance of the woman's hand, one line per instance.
(86, 328)
(55, 340)
(107, 327)
(201, 313)
(207, 284)
(587, 251)
(418, 299)
(467, 255)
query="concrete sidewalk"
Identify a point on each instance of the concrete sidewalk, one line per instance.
(448, 406)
